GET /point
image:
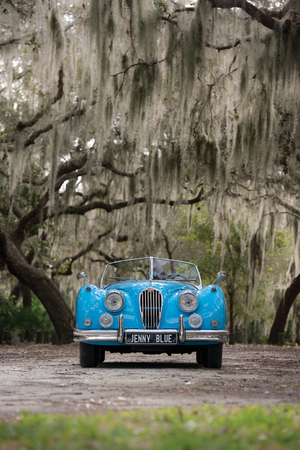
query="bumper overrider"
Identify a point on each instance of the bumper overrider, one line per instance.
(181, 334)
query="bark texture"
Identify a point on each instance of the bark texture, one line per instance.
(42, 286)
(283, 310)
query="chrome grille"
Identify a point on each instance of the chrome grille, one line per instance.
(151, 308)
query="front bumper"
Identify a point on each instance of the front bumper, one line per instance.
(183, 335)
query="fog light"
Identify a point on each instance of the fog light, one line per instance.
(87, 322)
(106, 320)
(214, 323)
(195, 320)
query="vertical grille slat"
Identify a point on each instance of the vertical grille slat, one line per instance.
(152, 311)
(151, 308)
(147, 306)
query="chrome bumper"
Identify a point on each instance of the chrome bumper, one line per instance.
(183, 335)
(112, 336)
(101, 335)
(208, 336)
(95, 335)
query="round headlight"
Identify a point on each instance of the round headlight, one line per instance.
(188, 301)
(114, 301)
(195, 320)
(106, 320)
(87, 322)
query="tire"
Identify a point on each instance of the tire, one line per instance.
(199, 356)
(101, 355)
(212, 356)
(88, 355)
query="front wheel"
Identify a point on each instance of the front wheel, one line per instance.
(199, 356)
(101, 355)
(212, 356)
(89, 355)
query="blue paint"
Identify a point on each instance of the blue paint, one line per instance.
(91, 304)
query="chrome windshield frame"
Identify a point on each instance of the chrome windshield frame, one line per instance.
(151, 260)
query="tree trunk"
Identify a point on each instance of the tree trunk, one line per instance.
(42, 286)
(297, 320)
(16, 292)
(26, 295)
(283, 310)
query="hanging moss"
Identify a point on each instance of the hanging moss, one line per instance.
(143, 85)
(237, 147)
(125, 61)
(156, 168)
(95, 16)
(192, 49)
(157, 94)
(243, 81)
(111, 23)
(57, 34)
(256, 256)
(108, 112)
(211, 161)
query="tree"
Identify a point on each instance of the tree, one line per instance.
(29, 221)
(153, 103)
(229, 252)
(283, 310)
(292, 291)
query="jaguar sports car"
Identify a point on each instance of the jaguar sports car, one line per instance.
(151, 305)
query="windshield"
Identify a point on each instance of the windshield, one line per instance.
(151, 268)
(168, 269)
(131, 270)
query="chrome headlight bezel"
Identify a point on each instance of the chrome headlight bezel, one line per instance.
(189, 306)
(119, 303)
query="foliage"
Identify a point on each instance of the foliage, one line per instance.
(202, 235)
(211, 428)
(111, 111)
(226, 253)
(15, 318)
(161, 5)
(252, 314)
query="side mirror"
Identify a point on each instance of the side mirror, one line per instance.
(221, 276)
(81, 276)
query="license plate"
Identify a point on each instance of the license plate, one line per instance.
(150, 338)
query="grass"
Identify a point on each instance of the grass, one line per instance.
(210, 428)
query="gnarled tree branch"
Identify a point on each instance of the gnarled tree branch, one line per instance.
(290, 208)
(36, 214)
(75, 112)
(78, 255)
(15, 40)
(109, 207)
(60, 91)
(249, 8)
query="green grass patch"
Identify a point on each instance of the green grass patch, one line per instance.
(210, 428)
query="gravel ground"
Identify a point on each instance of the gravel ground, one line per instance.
(49, 379)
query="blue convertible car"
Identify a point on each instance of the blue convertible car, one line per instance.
(151, 305)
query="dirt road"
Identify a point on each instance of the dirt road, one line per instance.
(49, 379)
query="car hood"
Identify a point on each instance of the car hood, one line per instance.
(165, 287)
